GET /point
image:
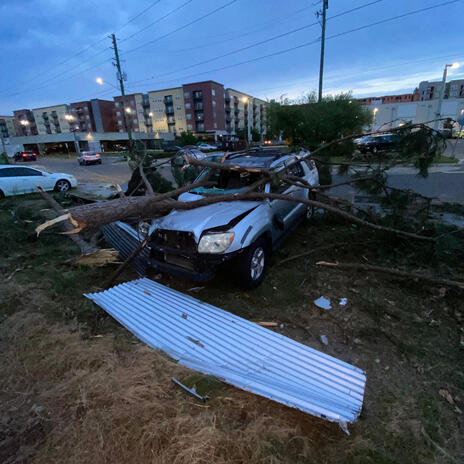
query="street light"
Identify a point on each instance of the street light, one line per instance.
(100, 81)
(244, 99)
(442, 93)
(69, 118)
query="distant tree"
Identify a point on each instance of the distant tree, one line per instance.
(242, 133)
(255, 135)
(187, 138)
(305, 122)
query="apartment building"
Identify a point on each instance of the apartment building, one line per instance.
(168, 111)
(386, 99)
(25, 122)
(455, 89)
(236, 109)
(92, 116)
(136, 107)
(204, 107)
(52, 119)
(7, 126)
(259, 115)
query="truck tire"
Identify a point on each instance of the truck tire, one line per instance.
(252, 264)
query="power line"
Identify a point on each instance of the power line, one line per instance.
(85, 49)
(157, 21)
(182, 27)
(306, 44)
(261, 42)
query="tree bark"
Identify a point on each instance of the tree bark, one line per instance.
(395, 272)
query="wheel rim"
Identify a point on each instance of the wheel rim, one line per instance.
(62, 186)
(257, 263)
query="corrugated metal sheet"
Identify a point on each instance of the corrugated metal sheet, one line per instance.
(216, 342)
(125, 239)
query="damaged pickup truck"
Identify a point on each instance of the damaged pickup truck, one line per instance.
(193, 243)
(238, 234)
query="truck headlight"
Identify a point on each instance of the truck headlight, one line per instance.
(215, 242)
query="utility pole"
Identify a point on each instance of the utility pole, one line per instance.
(325, 5)
(120, 77)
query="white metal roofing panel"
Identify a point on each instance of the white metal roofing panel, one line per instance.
(242, 353)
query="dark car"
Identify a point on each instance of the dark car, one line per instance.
(25, 156)
(376, 143)
(172, 148)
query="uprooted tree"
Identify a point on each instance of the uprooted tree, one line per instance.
(327, 128)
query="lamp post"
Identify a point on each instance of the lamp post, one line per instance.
(245, 101)
(374, 112)
(70, 118)
(442, 93)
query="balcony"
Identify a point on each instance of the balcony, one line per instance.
(236, 111)
(169, 110)
(168, 99)
(198, 107)
(199, 117)
(198, 95)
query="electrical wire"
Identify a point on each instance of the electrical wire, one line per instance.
(306, 44)
(184, 26)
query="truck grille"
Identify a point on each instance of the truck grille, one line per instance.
(175, 240)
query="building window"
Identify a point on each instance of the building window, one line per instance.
(89, 125)
(215, 125)
(189, 116)
(214, 102)
(87, 116)
(86, 108)
(116, 104)
(135, 121)
(177, 97)
(178, 107)
(133, 103)
(214, 114)
(187, 106)
(120, 130)
(189, 127)
(179, 118)
(118, 113)
(186, 95)
(213, 92)
(119, 123)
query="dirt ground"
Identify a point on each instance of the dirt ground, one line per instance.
(76, 387)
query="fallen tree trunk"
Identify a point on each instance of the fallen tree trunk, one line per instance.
(393, 272)
(84, 246)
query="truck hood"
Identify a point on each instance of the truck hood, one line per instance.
(206, 217)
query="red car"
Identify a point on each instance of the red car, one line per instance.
(26, 156)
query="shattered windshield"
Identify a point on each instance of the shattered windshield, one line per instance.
(226, 181)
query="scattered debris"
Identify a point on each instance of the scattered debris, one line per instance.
(323, 303)
(195, 289)
(324, 340)
(447, 396)
(238, 351)
(97, 258)
(268, 324)
(13, 273)
(192, 390)
(343, 302)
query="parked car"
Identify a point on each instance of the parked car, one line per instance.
(193, 243)
(25, 156)
(18, 180)
(376, 143)
(172, 148)
(206, 146)
(89, 157)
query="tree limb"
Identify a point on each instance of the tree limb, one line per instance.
(394, 272)
(77, 239)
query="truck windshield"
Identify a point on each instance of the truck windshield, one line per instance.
(225, 181)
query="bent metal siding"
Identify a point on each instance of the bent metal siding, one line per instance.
(246, 355)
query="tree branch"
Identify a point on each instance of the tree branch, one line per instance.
(394, 272)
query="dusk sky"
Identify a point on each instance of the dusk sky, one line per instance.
(53, 50)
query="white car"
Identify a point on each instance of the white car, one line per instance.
(19, 180)
(206, 146)
(89, 157)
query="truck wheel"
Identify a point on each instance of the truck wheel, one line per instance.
(252, 264)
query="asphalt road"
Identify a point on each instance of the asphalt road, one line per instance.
(108, 172)
(445, 182)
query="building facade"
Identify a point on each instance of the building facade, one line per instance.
(386, 99)
(204, 107)
(25, 122)
(7, 126)
(93, 116)
(167, 110)
(136, 108)
(52, 119)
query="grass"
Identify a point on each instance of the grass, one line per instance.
(76, 387)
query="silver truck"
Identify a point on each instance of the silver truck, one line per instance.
(193, 243)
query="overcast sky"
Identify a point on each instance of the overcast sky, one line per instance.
(53, 50)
